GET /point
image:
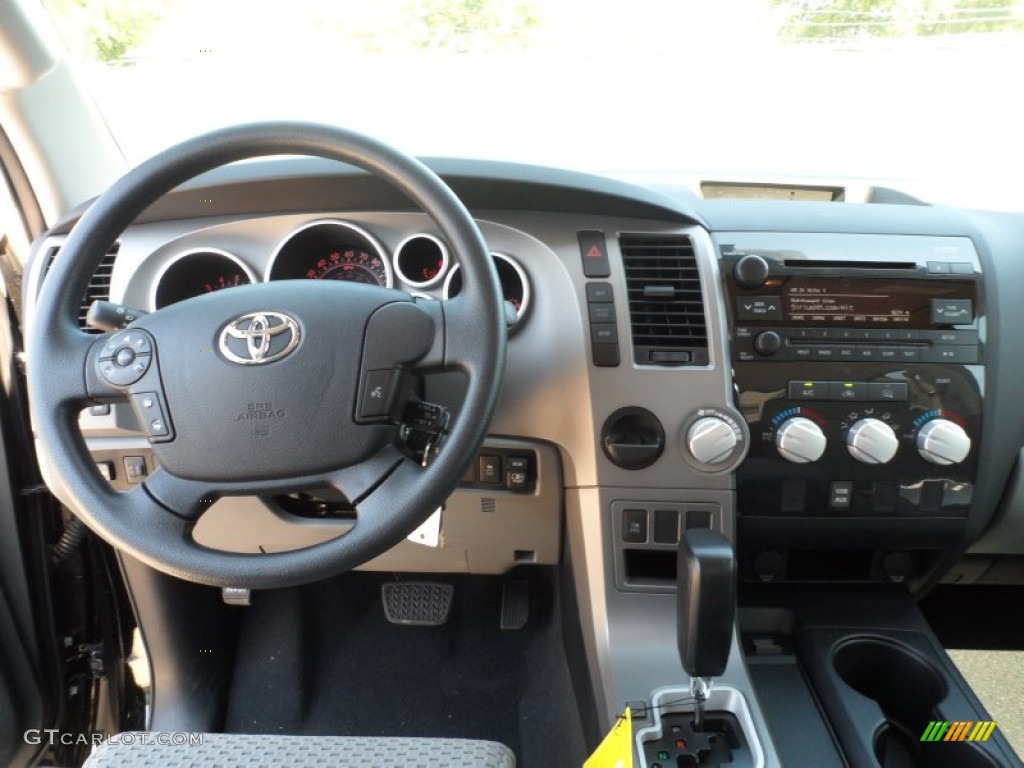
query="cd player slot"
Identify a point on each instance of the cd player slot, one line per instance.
(818, 264)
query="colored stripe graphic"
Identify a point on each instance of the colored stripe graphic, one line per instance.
(984, 730)
(935, 730)
(958, 730)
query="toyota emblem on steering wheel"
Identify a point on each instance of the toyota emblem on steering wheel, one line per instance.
(259, 337)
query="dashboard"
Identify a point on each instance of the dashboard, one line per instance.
(819, 379)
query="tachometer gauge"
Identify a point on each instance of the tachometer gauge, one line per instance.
(331, 250)
(194, 273)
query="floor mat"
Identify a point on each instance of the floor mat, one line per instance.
(324, 659)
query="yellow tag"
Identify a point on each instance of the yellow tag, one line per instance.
(616, 751)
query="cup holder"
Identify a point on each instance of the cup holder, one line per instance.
(908, 689)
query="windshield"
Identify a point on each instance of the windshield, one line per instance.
(918, 94)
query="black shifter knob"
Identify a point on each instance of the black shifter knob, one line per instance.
(706, 601)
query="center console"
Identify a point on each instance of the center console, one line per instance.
(858, 367)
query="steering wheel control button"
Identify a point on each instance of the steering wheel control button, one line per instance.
(123, 375)
(594, 251)
(125, 357)
(135, 468)
(377, 393)
(134, 341)
(634, 526)
(149, 408)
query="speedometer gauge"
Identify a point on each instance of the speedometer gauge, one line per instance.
(331, 250)
(194, 273)
(353, 264)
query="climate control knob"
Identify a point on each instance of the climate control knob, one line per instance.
(800, 440)
(872, 441)
(943, 442)
(711, 440)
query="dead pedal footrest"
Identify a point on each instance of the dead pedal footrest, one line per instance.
(417, 603)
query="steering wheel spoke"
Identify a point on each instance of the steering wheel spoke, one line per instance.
(359, 480)
(69, 357)
(185, 499)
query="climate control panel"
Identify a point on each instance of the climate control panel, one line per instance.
(888, 437)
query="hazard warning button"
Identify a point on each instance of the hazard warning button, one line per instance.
(595, 253)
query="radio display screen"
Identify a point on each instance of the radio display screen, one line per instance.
(865, 302)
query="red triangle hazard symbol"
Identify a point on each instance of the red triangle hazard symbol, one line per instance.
(594, 253)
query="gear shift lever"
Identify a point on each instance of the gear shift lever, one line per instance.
(706, 609)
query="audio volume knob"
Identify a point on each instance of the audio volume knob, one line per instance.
(800, 440)
(943, 442)
(872, 441)
(767, 343)
(711, 440)
(751, 271)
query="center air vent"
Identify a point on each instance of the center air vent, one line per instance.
(99, 285)
(666, 305)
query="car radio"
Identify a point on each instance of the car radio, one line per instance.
(857, 365)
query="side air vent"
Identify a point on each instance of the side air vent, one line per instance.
(666, 305)
(99, 285)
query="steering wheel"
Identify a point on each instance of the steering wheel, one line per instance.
(264, 389)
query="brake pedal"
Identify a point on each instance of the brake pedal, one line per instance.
(417, 603)
(515, 604)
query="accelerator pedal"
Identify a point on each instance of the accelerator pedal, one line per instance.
(417, 603)
(515, 604)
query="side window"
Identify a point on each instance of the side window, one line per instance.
(14, 243)
(12, 225)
